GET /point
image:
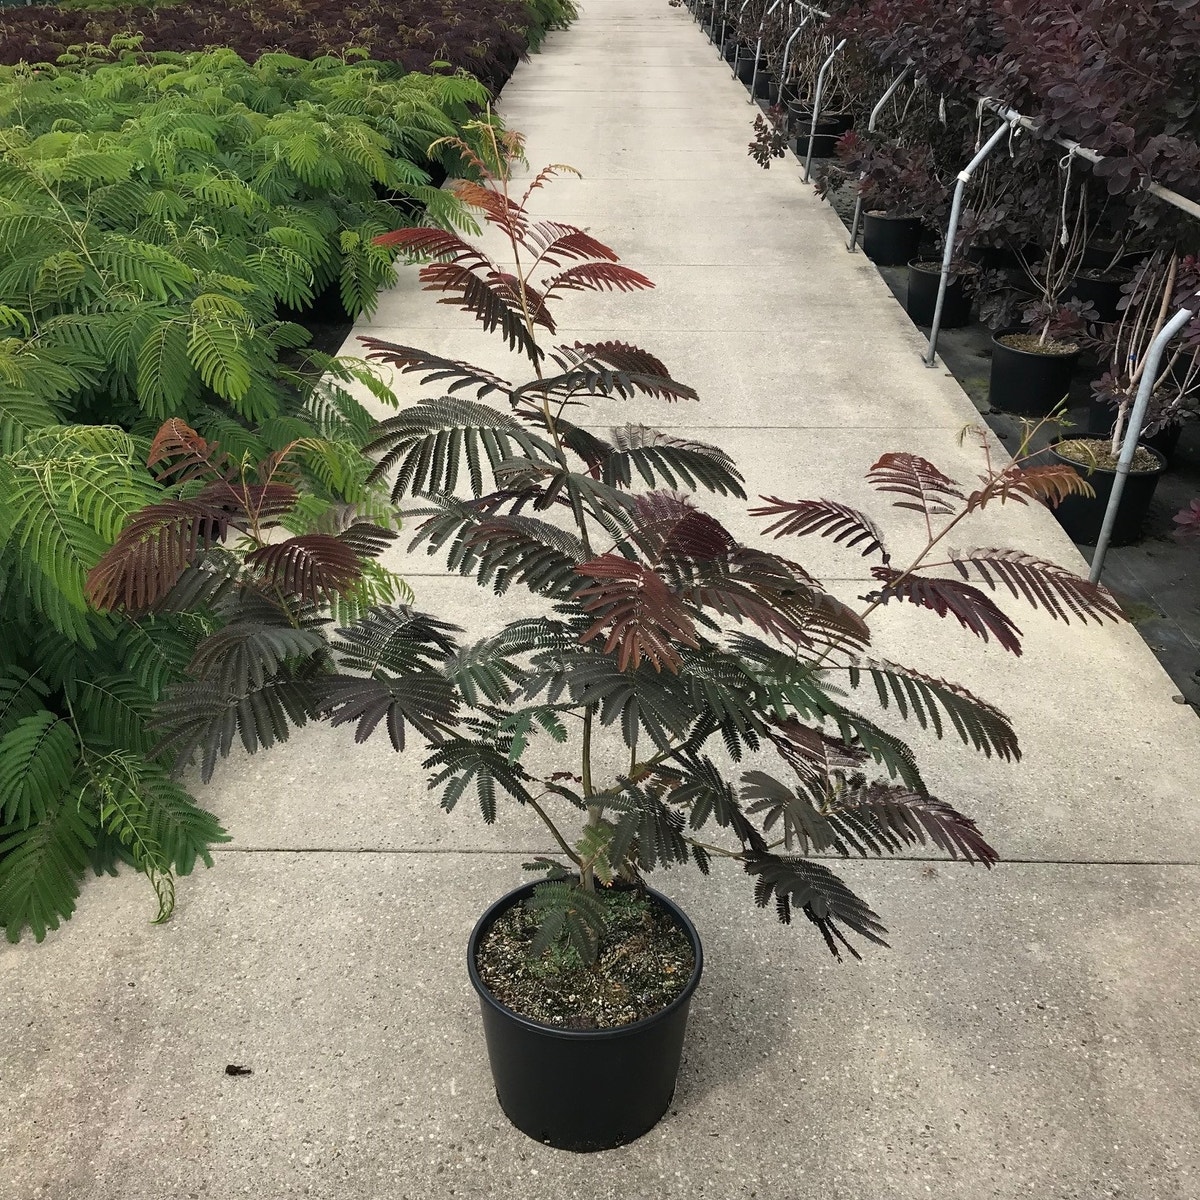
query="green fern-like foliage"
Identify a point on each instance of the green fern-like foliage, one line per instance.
(162, 221)
(669, 639)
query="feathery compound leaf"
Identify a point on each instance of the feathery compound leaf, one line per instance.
(243, 655)
(1049, 484)
(596, 277)
(486, 299)
(153, 551)
(929, 491)
(826, 518)
(1043, 584)
(487, 763)
(556, 243)
(441, 244)
(637, 609)
(40, 870)
(973, 609)
(396, 639)
(426, 445)
(435, 369)
(566, 912)
(37, 760)
(670, 528)
(506, 550)
(976, 722)
(827, 902)
(648, 832)
(313, 567)
(609, 369)
(677, 462)
(181, 455)
(202, 717)
(426, 701)
(904, 818)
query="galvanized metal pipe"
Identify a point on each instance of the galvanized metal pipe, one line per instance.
(964, 177)
(1166, 194)
(816, 113)
(887, 95)
(758, 49)
(740, 11)
(1134, 429)
(787, 50)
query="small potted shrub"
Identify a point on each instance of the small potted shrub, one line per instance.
(900, 190)
(1151, 299)
(698, 693)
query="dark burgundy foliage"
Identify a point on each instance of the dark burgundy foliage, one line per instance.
(484, 37)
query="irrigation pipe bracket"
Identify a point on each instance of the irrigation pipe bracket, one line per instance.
(887, 95)
(965, 176)
(1133, 431)
(816, 113)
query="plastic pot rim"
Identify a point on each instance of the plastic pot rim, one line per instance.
(612, 1033)
(1087, 469)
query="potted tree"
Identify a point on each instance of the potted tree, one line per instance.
(1148, 306)
(900, 191)
(1033, 363)
(693, 682)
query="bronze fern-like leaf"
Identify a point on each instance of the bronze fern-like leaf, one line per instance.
(928, 491)
(973, 609)
(824, 517)
(1041, 584)
(639, 613)
(312, 567)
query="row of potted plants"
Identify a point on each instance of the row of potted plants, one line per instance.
(1065, 262)
(484, 38)
(170, 223)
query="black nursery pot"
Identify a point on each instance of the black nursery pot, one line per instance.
(1101, 289)
(921, 298)
(589, 1089)
(1028, 383)
(1100, 420)
(745, 65)
(1083, 516)
(890, 241)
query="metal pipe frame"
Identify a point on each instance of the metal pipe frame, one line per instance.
(758, 48)
(960, 187)
(787, 50)
(852, 244)
(816, 113)
(1155, 189)
(740, 11)
(1134, 430)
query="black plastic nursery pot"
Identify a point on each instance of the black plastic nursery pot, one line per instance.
(1099, 423)
(1100, 288)
(890, 241)
(765, 87)
(745, 65)
(1028, 383)
(1083, 516)
(921, 298)
(800, 119)
(590, 1089)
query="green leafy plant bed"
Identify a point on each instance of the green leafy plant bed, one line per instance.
(155, 218)
(484, 37)
(645, 963)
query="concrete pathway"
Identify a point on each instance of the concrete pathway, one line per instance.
(1034, 1030)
